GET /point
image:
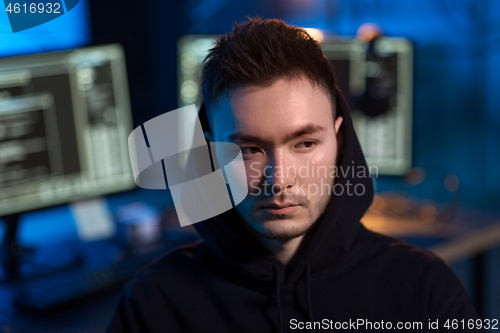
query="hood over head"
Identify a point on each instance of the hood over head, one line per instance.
(329, 246)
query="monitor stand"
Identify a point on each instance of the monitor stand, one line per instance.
(13, 256)
(11, 252)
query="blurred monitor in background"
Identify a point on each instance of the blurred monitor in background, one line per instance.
(375, 77)
(64, 122)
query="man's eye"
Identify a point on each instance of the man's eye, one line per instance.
(250, 150)
(306, 145)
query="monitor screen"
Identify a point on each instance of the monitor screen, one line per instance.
(377, 83)
(386, 137)
(70, 30)
(64, 122)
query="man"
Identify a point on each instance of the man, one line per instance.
(293, 255)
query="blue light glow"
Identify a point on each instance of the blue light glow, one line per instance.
(68, 31)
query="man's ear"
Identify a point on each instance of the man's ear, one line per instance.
(208, 136)
(338, 122)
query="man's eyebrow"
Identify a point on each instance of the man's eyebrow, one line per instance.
(304, 130)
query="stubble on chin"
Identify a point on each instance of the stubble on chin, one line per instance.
(299, 229)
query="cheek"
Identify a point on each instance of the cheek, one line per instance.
(318, 181)
(320, 166)
(254, 172)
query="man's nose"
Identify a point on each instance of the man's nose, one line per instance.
(282, 173)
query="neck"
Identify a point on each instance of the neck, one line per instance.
(287, 249)
(282, 249)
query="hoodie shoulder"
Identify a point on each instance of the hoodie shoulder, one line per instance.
(406, 259)
(407, 267)
(147, 302)
(172, 266)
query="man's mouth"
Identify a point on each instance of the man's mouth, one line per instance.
(281, 208)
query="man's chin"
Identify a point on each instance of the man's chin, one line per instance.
(279, 226)
(283, 229)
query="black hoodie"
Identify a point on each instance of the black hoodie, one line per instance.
(343, 276)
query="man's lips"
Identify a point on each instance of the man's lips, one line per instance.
(281, 208)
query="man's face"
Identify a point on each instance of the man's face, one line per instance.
(287, 136)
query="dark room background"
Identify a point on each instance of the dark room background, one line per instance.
(456, 74)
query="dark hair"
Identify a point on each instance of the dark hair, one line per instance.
(259, 52)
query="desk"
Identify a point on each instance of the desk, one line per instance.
(88, 316)
(468, 235)
(91, 314)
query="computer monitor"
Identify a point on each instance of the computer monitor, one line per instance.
(70, 30)
(385, 66)
(64, 122)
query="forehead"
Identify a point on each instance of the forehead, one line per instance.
(272, 112)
